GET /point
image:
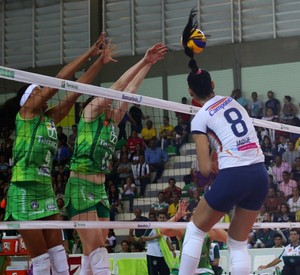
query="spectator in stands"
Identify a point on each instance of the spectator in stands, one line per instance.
(122, 126)
(133, 140)
(161, 206)
(124, 170)
(291, 249)
(172, 209)
(72, 138)
(137, 247)
(269, 115)
(114, 198)
(279, 168)
(282, 146)
(125, 247)
(129, 191)
(264, 238)
(136, 234)
(263, 215)
(287, 185)
(295, 174)
(111, 241)
(289, 110)
(255, 106)
(267, 148)
(214, 256)
(182, 131)
(278, 241)
(273, 103)
(139, 151)
(62, 155)
(184, 117)
(62, 136)
(156, 158)
(60, 185)
(284, 215)
(290, 154)
(142, 175)
(237, 95)
(152, 217)
(194, 201)
(171, 189)
(297, 144)
(167, 133)
(148, 132)
(294, 201)
(123, 152)
(272, 202)
(156, 261)
(136, 116)
(4, 167)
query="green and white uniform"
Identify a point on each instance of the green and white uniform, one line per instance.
(204, 266)
(30, 194)
(94, 146)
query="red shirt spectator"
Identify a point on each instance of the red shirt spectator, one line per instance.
(171, 189)
(133, 141)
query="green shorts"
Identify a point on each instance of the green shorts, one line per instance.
(30, 201)
(174, 272)
(82, 196)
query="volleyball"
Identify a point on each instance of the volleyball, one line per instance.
(197, 41)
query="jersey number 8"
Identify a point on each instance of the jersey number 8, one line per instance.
(238, 126)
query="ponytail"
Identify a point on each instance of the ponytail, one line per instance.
(189, 28)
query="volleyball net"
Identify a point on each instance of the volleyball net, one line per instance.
(180, 157)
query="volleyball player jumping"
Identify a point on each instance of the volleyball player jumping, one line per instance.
(242, 182)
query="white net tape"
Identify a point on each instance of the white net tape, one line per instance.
(27, 77)
(125, 225)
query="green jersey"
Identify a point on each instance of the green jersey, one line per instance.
(204, 266)
(94, 146)
(34, 148)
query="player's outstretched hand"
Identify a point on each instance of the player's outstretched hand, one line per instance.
(97, 47)
(155, 53)
(108, 52)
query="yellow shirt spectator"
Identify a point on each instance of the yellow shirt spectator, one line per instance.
(148, 134)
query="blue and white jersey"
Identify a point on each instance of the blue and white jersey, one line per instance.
(230, 132)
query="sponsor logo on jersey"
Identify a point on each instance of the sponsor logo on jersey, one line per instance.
(132, 98)
(49, 142)
(44, 171)
(50, 204)
(91, 196)
(51, 129)
(219, 105)
(34, 205)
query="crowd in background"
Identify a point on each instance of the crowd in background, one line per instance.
(140, 160)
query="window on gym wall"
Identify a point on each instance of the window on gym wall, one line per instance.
(135, 25)
(38, 33)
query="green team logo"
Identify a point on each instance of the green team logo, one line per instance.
(7, 73)
(113, 137)
(51, 130)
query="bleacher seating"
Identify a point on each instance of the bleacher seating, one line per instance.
(177, 167)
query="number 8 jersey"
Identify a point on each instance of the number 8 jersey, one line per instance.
(230, 132)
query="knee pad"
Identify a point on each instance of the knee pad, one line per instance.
(99, 261)
(41, 264)
(193, 241)
(85, 268)
(239, 257)
(58, 260)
